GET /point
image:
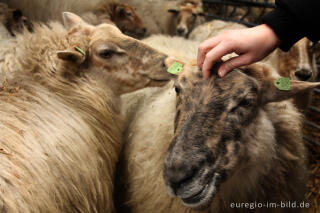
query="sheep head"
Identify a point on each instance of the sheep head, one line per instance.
(186, 15)
(102, 51)
(299, 63)
(213, 117)
(128, 21)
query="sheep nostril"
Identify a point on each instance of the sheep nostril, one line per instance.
(303, 74)
(180, 31)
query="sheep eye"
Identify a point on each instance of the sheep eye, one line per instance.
(128, 13)
(245, 103)
(106, 54)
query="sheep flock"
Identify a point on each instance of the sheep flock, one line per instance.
(92, 121)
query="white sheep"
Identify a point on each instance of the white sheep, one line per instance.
(60, 120)
(263, 158)
(48, 10)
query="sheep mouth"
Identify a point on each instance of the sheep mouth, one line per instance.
(204, 198)
(159, 79)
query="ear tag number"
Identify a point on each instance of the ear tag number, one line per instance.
(283, 84)
(175, 68)
(80, 50)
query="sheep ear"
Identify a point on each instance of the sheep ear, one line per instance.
(120, 10)
(271, 88)
(71, 56)
(170, 60)
(70, 19)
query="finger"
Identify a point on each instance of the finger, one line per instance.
(233, 63)
(213, 56)
(205, 47)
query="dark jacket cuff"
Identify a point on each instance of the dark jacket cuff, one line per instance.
(285, 26)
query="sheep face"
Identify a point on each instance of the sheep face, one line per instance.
(211, 119)
(186, 17)
(128, 20)
(126, 64)
(299, 63)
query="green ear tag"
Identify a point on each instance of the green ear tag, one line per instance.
(80, 50)
(282, 84)
(200, 10)
(175, 68)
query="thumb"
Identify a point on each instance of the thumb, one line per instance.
(233, 63)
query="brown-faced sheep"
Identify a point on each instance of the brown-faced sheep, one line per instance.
(298, 63)
(122, 15)
(155, 15)
(93, 12)
(227, 141)
(187, 15)
(164, 16)
(60, 124)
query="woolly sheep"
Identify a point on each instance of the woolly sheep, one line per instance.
(155, 15)
(94, 12)
(270, 163)
(60, 123)
(187, 15)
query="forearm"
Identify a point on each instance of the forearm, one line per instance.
(294, 19)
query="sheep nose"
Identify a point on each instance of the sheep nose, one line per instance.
(178, 176)
(303, 74)
(180, 31)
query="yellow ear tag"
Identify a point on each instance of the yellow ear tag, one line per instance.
(80, 50)
(283, 84)
(175, 68)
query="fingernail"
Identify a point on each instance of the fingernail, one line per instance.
(221, 73)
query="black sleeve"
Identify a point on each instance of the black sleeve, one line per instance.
(292, 20)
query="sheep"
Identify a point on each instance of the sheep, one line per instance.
(237, 133)
(213, 28)
(175, 46)
(155, 15)
(12, 22)
(121, 14)
(93, 12)
(166, 16)
(188, 15)
(298, 63)
(60, 120)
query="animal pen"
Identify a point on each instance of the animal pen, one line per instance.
(226, 10)
(91, 121)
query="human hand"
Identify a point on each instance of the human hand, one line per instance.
(251, 45)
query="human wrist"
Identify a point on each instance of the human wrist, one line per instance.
(271, 37)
